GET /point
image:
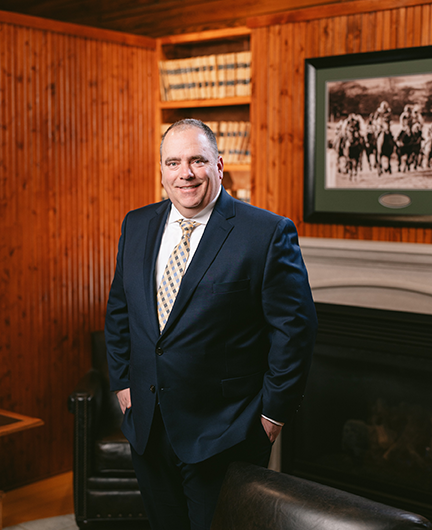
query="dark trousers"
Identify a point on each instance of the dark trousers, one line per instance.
(179, 496)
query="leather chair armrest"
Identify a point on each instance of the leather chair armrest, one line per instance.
(88, 388)
(86, 403)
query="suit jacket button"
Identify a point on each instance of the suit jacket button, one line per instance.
(159, 351)
(152, 389)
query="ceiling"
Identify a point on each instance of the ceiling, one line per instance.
(156, 18)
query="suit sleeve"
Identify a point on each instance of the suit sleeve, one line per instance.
(117, 334)
(290, 313)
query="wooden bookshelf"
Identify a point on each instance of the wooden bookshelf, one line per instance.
(226, 109)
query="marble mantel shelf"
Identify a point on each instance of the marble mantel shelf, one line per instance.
(381, 275)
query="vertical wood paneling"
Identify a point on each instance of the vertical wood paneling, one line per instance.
(401, 23)
(285, 139)
(279, 186)
(425, 22)
(296, 123)
(259, 121)
(76, 153)
(274, 100)
(379, 31)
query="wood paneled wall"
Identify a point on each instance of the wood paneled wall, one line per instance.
(280, 45)
(76, 153)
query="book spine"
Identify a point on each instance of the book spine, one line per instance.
(231, 140)
(229, 60)
(198, 76)
(221, 76)
(222, 134)
(239, 142)
(212, 76)
(245, 157)
(163, 80)
(242, 73)
(176, 81)
(190, 85)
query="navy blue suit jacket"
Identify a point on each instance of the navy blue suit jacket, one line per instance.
(238, 342)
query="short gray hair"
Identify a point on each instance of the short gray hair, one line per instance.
(188, 123)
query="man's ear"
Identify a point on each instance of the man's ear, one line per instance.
(220, 165)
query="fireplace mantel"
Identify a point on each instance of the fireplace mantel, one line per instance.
(380, 275)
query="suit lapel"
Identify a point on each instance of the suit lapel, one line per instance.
(215, 234)
(152, 244)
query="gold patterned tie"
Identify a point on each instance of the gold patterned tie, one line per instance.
(173, 273)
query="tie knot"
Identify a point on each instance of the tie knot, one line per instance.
(187, 227)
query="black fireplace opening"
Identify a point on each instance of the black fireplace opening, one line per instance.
(365, 425)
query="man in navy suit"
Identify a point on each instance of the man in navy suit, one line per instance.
(227, 370)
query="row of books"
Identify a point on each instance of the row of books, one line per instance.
(210, 76)
(233, 138)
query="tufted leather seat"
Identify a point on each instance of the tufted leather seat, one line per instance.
(255, 498)
(106, 491)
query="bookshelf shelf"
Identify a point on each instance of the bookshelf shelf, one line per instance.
(203, 103)
(245, 168)
(203, 36)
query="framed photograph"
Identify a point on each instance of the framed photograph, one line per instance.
(368, 138)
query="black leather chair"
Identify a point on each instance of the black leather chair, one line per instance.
(106, 491)
(256, 498)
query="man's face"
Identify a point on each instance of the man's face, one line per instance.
(191, 171)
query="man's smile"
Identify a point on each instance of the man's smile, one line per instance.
(194, 186)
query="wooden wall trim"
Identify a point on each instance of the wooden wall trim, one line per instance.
(201, 36)
(77, 30)
(331, 10)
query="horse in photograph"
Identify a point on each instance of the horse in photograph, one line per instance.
(370, 147)
(404, 149)
(416, 155)
(385, 146)
(352, 149)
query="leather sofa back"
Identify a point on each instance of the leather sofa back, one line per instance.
(260, 499)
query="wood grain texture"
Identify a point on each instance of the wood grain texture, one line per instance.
(279, 52)
(76, 153)
(51, 497)
(79, 29)
(156, 18)
(315, 11)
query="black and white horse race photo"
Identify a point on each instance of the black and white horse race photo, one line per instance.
(379, 133)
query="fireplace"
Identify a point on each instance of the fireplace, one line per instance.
(365, 425)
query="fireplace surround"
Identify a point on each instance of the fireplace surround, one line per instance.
(374, 274)
(366, 422)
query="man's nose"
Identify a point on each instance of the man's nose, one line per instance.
(186, 171)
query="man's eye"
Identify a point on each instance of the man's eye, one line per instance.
(172, 164)
(198, 162)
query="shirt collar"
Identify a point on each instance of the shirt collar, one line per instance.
(201, 217)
